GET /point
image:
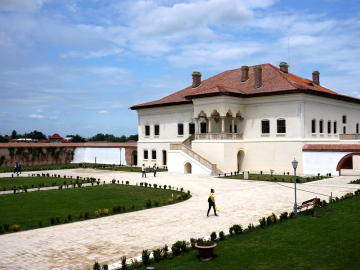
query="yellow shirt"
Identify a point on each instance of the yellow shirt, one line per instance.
(212, 196)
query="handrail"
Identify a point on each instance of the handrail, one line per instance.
(219, 136)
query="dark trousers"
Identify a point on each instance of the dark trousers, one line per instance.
(19, 170)
(211, 204)
(143, 173)
(154, 173)
(15, 170)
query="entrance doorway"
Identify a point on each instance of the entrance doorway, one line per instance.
(164, 157)
(240, 158)
(187, 168)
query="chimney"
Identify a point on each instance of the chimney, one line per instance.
(196, 79)
(257, 77)
(244, 73)
(316, 77)
(284, 67)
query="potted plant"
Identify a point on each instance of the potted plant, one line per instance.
(205, 248)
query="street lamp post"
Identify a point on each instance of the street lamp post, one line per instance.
(294, 164)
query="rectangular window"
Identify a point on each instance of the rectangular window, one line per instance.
(281, 126)
(321, 130)
(265, 126)
(357, 128)
(329, 127)
(335, 126)
(146, 154)
(180, 129)
(157, 130)
(344, 119)
(203, 127)
(191, 128)
(313, 126)
(344, 130)
(153, 154)
(147, 130)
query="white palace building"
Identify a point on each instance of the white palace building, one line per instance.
(251, 119)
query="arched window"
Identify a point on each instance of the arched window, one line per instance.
(313, 126)
(147, 130)
(146, 154)
(180, 129)
(281, 126)
(321, 126)
(265, 126)
(156, 130)
(335, 127)
(191, 128)
(344, 119)
(329, 127)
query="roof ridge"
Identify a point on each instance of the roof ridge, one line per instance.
(294, 84)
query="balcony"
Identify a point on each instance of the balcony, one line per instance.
(219, 136)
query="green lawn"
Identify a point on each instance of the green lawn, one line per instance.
(28, 208)
(76, 165)
(331, 241)
(275, 178)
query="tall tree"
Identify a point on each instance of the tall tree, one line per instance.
(14, 134)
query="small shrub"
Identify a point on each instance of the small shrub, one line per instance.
(213, 236)
(86, 215)
(123, 263)
(155, 185)
(231, 231)
(292, 214)
(96, 266)
(6, 227)
(132, 207)
(156, 203)
(15, 227)
(80, 215)
(157, 255)
(114, 209)
(176, 248)
(193, 242)
(237, 229)
(105, 267)
(165, 251)
(148, 204)
(222, 236)
(40, 223)
(165, 186)
(145, 257)
(52, 221)
(57, 219)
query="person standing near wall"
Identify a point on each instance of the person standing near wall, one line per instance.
(16, 165)
(211, 201)
(19, 167)
(143, 170)
(154, 169)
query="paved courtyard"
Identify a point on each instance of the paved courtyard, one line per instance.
(78, 245)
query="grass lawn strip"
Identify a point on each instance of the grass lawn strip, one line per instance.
(275, 178)
(330, 241)
(27, 209)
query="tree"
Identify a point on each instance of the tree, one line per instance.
(77, 138)
(133, 137)
(2, 139)
(14, 134)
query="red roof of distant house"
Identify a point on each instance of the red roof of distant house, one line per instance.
(274, 82)
(44, 141)
(331, 148)
(65, 141)
(56, 136)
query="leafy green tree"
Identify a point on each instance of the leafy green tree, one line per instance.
(3, 139)
(77, 138)
(133, 138)
(14, 134)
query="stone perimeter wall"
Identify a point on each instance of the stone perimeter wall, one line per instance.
(52, 153)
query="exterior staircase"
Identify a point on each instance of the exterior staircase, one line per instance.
(185, 146)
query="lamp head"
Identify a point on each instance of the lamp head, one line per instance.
(294, 163)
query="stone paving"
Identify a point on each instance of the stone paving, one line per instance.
(78, 245)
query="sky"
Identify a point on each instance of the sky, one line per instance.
(76, 67)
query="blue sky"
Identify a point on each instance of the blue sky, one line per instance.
(75, 67)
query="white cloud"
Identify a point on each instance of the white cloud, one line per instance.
(4, 114)
(56, 112)
(87, 127)
(39, 111)
(106, 112)
(36, 116)
(53, 118)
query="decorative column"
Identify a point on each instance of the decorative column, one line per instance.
(209, 126)
(233, 124)
(222, 124)
(197, 124)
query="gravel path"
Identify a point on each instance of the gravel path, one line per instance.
(78, 245)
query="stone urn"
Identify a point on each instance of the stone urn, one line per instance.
(206, 252)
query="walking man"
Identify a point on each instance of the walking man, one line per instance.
(143, 170)
(154, 169)
(211, 201)
(19, 168)
(16, 165)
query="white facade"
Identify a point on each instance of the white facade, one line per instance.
(102, 155)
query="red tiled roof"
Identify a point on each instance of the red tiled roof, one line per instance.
(331, 148)
(44, 141)
(229, 82)
(65, 141)
(56, 136)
